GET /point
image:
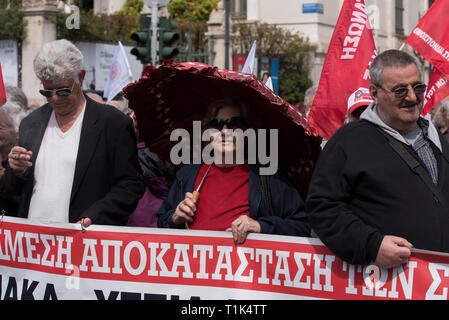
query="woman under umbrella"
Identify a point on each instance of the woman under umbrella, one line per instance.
(234, 196)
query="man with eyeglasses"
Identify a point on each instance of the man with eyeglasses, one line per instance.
(381, 185)
(76, 159)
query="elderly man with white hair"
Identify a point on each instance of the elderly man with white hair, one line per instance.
(11, 114)
(76, 160)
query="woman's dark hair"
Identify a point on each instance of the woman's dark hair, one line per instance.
(216, 105)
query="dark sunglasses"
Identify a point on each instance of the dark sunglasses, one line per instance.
(62, 92)
(402, 92)
(231, 123)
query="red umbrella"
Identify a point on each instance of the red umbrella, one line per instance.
(173, 95)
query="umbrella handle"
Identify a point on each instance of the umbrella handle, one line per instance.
(196, 196)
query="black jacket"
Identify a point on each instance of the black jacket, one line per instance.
(289, 217)
(108, 180)
(361, 190)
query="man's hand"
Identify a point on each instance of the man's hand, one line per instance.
(19, 160)
(393, 252)
(185, 211)
(85, 221)
(241, 226)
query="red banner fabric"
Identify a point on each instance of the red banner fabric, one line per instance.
(430, 38)
(437, 90)
(59, 261)
(346, 68)
(2, 89)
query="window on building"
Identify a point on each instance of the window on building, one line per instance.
(238, 9)
(87, 4)
(399, 9)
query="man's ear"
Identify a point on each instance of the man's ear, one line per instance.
(373, 90)
(81, 76)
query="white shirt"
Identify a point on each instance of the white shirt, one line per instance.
(54, 172)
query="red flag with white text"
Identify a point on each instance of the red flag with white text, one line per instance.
(430, 38)
(346, 68)
(437, 90)
(2, 89)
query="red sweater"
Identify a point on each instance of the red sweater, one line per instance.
(223, 197)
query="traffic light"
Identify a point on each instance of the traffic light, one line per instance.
(167, 39)
(142, 51)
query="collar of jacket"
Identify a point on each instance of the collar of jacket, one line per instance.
(371, 115)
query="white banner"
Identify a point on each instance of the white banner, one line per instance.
(59, 261)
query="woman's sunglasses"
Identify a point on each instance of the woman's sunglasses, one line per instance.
(231, 123)
(62, 92)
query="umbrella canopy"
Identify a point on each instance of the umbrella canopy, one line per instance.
(174, 95)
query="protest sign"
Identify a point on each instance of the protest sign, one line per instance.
(109, 263)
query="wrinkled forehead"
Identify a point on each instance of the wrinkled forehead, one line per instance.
(227, 112)
(57, 84)
(400, 75)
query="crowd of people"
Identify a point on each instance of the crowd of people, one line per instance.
(380, 186)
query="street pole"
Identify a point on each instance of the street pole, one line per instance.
(153, 29)
(226, 3)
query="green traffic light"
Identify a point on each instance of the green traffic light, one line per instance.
(170, 37)
(140, 36)
(139, 52)
(142, 51)
(167, 39)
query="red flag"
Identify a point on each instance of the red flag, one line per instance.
(437, 90)
(346, 68)
(430, 38)
(2, 89)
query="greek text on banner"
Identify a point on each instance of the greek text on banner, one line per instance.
(59, 261)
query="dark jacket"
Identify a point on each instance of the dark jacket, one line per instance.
(8, 201)
(289, 217)
(361, 190)
(108, 179)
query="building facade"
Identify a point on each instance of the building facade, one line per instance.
(391, 21)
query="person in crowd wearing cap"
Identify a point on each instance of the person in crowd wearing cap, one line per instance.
(233, 196)
(358, 101)
(441, 118)
(380, 186)
(76, 160)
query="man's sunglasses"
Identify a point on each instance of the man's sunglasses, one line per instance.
(402, 92)
(231, 123)
(62, 92)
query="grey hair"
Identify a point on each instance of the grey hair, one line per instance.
(16, 95)
(14, 115)
(390, 58)
(122, 106)
(310, 91)
(58, 60)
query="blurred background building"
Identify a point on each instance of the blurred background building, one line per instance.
(312, 20)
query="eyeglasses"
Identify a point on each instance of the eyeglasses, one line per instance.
(62, 92)
(402, 92)
(231, 123)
